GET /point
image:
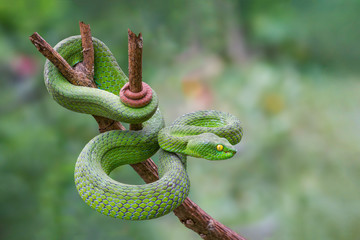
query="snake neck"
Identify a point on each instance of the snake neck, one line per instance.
(175, 139)
(171, 142)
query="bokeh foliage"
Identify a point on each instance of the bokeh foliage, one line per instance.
(287, 69)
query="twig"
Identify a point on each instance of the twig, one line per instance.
(135, 46)
(88, 49)
(190, 214)
(75, 77)
(87, 67)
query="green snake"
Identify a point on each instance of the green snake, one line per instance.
(205, 134)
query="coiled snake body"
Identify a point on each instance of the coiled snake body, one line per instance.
(206, 134)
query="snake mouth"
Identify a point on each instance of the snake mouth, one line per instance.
(231, 151)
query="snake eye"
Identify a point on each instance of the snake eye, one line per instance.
(219, 147)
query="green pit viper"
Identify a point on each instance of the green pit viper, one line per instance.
(205, 134)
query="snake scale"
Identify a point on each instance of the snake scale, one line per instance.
(206, 134)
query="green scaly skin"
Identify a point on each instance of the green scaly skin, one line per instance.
(196, 134)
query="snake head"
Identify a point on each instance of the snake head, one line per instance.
(209, 146)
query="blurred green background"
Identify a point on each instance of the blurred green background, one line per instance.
(288, 69)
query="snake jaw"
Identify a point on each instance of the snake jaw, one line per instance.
(230, 152)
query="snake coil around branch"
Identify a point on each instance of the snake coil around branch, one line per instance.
(204, 134)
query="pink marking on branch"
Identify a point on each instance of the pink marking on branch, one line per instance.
(135, 95)
(136, 100)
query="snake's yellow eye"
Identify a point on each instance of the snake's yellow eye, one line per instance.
(219, 147)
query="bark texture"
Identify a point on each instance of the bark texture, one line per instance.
(135, 47)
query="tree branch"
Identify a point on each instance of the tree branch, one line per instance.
(189, 213)
(88, 50)
(75, 77)
(87, 68)
(135, 46)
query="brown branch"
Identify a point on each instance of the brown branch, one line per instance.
(193, 217)
(75, 77)
(87, 67)
(147, 170)
(88, 50)
(189, 213)
(135, 46)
